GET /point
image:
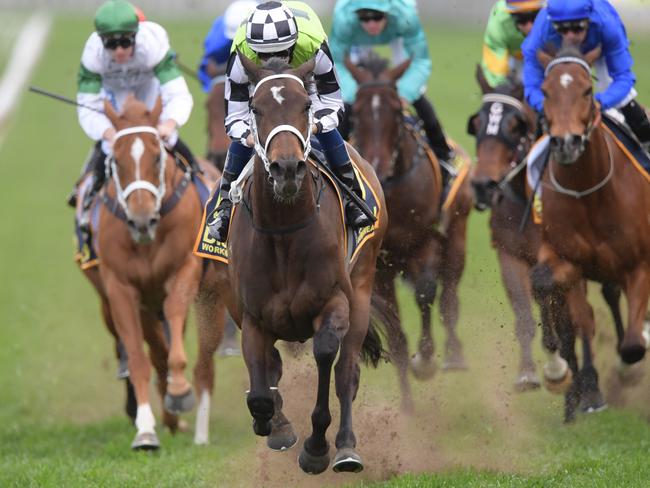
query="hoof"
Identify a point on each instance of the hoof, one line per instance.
(282, 437)
(527, 382)
(559, 386)
(633, 353)
(347, 461)
(145, 441)
(592, 402)
(313, 464)
(423, 369)
(178, 404)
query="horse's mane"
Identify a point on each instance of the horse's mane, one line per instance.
(373, 63)
(509, 87)
(277, 65)
(569, 50)
(134, 110)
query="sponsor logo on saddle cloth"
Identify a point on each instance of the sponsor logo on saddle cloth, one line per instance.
(208, 247)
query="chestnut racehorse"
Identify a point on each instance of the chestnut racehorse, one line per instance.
(288, 271)
(413, 248)
(595, 206)
(147, 222)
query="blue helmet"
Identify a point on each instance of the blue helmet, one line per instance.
(565, 10)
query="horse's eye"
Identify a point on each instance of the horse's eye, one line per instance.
(588, 92)
(545, 93)
(255, 111)
(307, 106)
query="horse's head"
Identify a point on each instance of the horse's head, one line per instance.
(503, 129)
(377, 112)
(281, 121)
(138, 166)
(569, 106)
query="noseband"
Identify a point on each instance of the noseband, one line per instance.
(139, 184)
(262, 150)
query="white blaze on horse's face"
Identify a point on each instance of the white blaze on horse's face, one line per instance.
(565, 80)
(275, 91)
(374, 104)
(137, 150)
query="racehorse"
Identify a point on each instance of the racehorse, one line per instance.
(410, 177)
(288, 271)
(149, 213)
(218, 140)
(595, 203)
(504, 129)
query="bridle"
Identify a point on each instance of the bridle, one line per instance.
(262, 149)
(138, 184)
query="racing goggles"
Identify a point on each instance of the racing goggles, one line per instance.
(575, 26)
(122, 41)
(370, 15)
(523, 18)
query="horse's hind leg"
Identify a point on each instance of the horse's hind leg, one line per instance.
(330, 326)
(637, 289)
(453, 264)
(514, 273)
(385, 288)
(282, 436)
(210, 312)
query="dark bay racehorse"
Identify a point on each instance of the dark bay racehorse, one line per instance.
(147, 223)
(595, 206)
(288, 271)
(218, 140)
(412, 184)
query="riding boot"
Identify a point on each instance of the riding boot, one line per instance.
(637, 118)
(345, 125)
(236, 159)
(71, 200)
(98, 167)
(184, 151)
(353, 213)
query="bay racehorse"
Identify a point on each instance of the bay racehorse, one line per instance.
(288, 271)
(149, 214)
(413, 248)
(504, 129)
(218, 140)
(595, 207)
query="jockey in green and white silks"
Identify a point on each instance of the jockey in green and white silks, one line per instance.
(357, 26)
(291, 31)
(509, 23)
(127, 57)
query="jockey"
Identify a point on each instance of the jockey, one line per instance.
(217, 44)
(587, 24)
(297, 36)
(359, 24)
(509, 23)
(122, 57)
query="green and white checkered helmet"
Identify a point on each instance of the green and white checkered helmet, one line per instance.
(116, 16)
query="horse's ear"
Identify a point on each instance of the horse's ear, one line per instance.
(361, 75)
(544, 58)
(593, 55)
(305, 70)
(110, 112)
(396, 73)
(518, 91)
(482, 80)
(252, 70)
(157, 109)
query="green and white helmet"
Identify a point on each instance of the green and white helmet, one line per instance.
(116, 16)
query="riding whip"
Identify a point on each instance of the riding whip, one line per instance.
(63, 99)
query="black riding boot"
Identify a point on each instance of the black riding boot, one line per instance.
(353, 214)
(345, 125)
(182, 149)
(98, 167)
(637, 118)
(218, 226)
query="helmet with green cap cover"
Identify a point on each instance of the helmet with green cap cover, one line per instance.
(116, 16)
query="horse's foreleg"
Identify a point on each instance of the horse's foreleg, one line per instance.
(282, 436)
(181, 291)
(210, 314)
(452, 270)
(637, 289)
(330, 326)
(514, 273)
(125, 309)
(256, 345)
(612, 295)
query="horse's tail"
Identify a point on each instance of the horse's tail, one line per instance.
(382, 316)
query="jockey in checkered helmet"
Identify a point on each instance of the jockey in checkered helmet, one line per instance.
(292, 31)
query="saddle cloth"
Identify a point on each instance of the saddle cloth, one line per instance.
(208, 247)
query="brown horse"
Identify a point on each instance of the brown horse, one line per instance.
(147, 270)
(595, 203)
(218, 140)
(411, 180)
(290, 279)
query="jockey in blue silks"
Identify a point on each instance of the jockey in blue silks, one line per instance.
(587, 24)
(217, 44)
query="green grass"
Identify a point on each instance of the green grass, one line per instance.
(61, 420)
